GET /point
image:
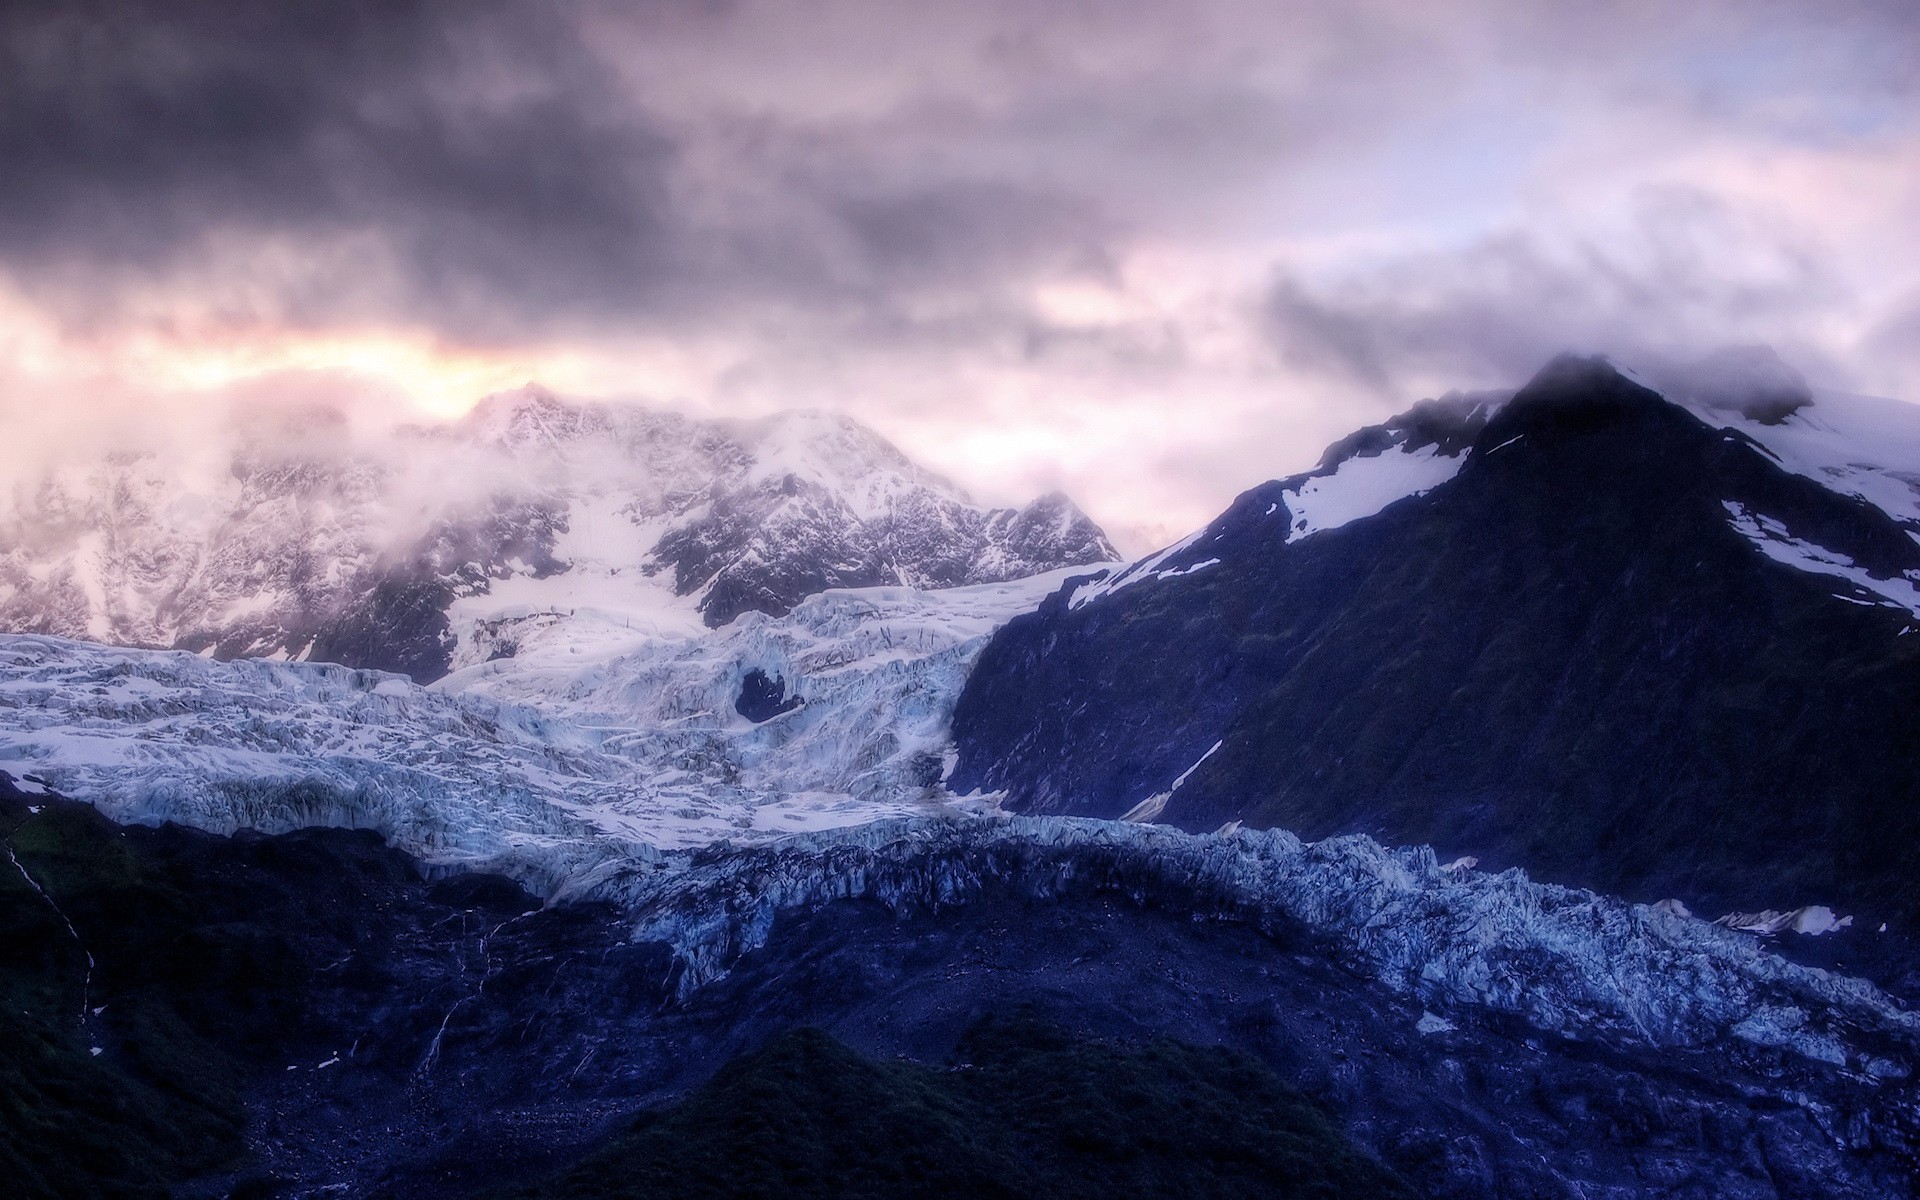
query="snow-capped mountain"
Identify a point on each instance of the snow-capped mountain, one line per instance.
(429, 548)
(1582, 628)
(1660, 648)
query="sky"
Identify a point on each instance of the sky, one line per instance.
(1151, 253)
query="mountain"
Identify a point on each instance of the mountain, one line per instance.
(1626, 643)
(623, 903)
(427, 549)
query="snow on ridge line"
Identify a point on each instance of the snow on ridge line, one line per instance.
(1119, 577)
(1562, 958)
(1862, 446)
(1357, 487)
(1777, 543)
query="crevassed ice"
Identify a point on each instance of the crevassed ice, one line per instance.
(551, 766)
(1563, 958)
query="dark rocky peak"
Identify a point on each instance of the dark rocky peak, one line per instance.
(1448, 423)
(1575, 396)
(1584, 423)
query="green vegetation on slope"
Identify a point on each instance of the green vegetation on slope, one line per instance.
(158, 1102)
(1028, 1111)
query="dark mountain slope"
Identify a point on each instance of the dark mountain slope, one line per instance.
(307, 1015)
(1028, 1111)
(1567, 657)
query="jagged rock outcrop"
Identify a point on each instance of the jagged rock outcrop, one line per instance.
(396, 552)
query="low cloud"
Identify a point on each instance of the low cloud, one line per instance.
(1687, 273)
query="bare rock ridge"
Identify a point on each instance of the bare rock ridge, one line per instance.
(391, 552)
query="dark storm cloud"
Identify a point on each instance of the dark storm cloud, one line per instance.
(483, 167)
(1138, 248)
(480, 145)
(495, 167)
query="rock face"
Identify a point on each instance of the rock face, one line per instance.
(1585, 631)
(396, 552)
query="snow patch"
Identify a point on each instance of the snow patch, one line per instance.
(1774, 540)
(1429, 1024)
(1813, 919)
(1861, 446)
(1145, 811)
(1125, 577)
(1362, 486)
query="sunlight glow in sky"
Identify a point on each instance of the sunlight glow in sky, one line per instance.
(1149, 253)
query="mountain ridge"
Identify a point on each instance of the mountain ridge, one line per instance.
(1583, 651)
(386, 554)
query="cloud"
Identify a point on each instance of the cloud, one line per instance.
(475, 149)
(1147, 251)
(1686, 272)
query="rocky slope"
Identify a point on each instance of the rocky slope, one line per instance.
(1589, 631)
(403, 552)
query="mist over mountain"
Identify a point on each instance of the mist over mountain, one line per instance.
(418, 548)
(1473, 755)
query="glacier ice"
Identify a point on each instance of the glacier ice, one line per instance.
(1563, 959)
(618, 769)
(551, 766)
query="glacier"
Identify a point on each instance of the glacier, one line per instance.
(587, 743)
(1563, 959)
(632, 780)
(551, 767)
